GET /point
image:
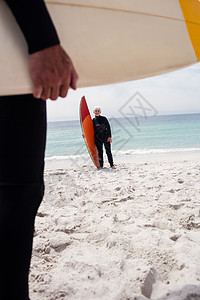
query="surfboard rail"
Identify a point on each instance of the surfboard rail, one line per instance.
(88, 131)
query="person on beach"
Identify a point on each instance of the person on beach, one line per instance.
(102, 136)
(23, 138)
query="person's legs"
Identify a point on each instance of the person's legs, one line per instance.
(99, 145)
(22, 146)
(108, 152)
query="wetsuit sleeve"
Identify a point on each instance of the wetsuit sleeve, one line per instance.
(35, 23)
(108, 128)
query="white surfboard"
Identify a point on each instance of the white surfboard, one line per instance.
(108, 40)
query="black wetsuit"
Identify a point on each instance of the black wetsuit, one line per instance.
(35, 23)
(102, 132)
(22, 146)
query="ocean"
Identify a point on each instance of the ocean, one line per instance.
(131, 135)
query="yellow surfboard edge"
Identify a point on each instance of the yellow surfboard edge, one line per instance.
(191, 13)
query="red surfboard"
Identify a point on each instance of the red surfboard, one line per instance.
(88, 131)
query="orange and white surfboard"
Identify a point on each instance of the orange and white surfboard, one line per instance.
(88, 131)
(108, 40)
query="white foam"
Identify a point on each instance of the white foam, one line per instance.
(126, 153)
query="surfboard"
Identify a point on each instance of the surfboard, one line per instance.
(88, 131)
(108, 40)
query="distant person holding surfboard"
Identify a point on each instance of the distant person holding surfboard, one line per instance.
(23, 138)
(102, 136)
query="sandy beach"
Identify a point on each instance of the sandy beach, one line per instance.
(127, 234)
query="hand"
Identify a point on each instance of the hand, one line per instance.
(109, 140)
(52, 73)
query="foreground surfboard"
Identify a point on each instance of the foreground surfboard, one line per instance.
(108, 40)
(88, 131)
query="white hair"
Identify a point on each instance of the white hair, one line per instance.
(97, 107)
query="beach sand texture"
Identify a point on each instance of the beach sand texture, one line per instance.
(127, 234)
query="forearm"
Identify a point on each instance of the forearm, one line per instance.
(51, 69)
(35, 23)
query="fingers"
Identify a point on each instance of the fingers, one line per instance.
(46, 93)
(37, 91)
(65, 87)
(74, 78)
(52, 93)
(52, 73)
(42, 92)
(63, 90)
(57, 90)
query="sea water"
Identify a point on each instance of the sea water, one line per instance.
(132, 135)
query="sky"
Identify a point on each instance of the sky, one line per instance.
(172, 93)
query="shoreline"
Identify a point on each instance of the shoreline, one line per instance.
(77, 162)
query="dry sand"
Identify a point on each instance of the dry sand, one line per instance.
(127, 234)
